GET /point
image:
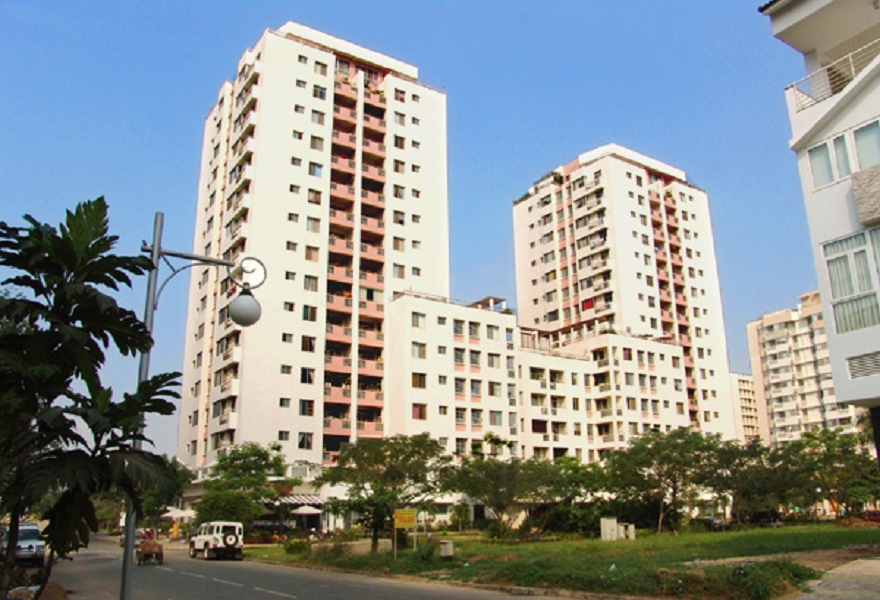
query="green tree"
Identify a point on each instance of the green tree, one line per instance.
(745, 477)
(382, 475)
(59, 320)
(157, 500)
(227, 505)
(663, 468)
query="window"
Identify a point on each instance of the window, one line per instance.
(315, 169)
(820, 164)
(317, 143)
(867, 140)
(305, 441)
(399, 191)
(314, 196)
(419, 350)
(310, 283)
(418, 320)
(320, 68)
(294, 189)
(289, 306)
(283, 436)
(399, 244)
(399, 142)
(307, 408)
(319, 92)
(306, 375)
(415, 121)
(284, 402)
(308, 344)
(853, 297)
(317, 117)
(415, 98)
(399, 166)
(295, 162)
(300, 83)
(302, 59)
(287, 338)
(458, 327)
(286, 369)
(420, 412)
(476, 387)
(313, 225)
(399, 217)
(297, 135)
(419, 380)
(417, 272)
(299, 108)
(310, 313)
(399, 118)
(399, 271)
(400, 95)
(473, 329)
(311, 253)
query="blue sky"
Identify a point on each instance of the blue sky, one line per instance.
(109, 98)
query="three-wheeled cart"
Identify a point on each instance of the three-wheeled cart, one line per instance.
(148, 551)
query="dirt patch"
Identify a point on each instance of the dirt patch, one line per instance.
(821, 560)
(857, 523)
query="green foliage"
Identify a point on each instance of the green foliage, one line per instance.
(58, 323)
(156, 500)
(297, 546)
(227, 505)
(383, 475)
(425, 552)
(759, 580)
(253, 469)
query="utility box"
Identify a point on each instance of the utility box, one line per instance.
(446, 550)
(608, 526)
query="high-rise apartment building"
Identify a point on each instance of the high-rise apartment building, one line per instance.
(327, 161)
(792, 373)
(835, 121)
(617, 242)
(751, 419)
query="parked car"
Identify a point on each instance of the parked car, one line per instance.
(712, 523)
(31, 547)
(765, 518)
(871, 515)
(216, 539)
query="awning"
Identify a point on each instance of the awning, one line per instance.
(295, 500)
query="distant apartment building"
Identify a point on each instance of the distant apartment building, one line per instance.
(615, 242)
(327, 161)
(835, 120)
(792, 373)
(751, 419)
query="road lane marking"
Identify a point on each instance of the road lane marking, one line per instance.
(227, 582)
(274, 593)
(166, 569)
(192, 574)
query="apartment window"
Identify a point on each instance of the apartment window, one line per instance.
(494, 388)
(286, 369)
(399, 142)
(399, 244)
(314, 196)
(494, 360)
(300, 83)
(311, 253)
(420, 412)
(419, 350)
(416, 144)
(399, 271)
(457, 327)
(290, 276)
(476, 387)
(399, 191)
(416, 219)
(287, 338)
(297, 135)
(291, 246)
(305, 441)
(307, 408)
(317, 143)
(306, 375)
(317, 117)
(475, 358)
(295, 190)
(400, 95)
(289, 306)
(416, 168)
(307, 344)
(399, 118)
(320, 68)
(283, 436)
(418, 320)
(299, 108)
(853, 291)
(417, 272)
(415, 98)
(399, 217)
(476, 417)
(310, 283)
(419, 380)
(295, 162)
(315, 169)
(319, 92)
(459, 385)
(416, 194)
(399, 166)
(284, 402)
(310, 313)
(303, 59)
(867, 141)
(415, 121)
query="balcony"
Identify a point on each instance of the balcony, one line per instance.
(342, 218)
(331, 458)
(342, 164)
(377, 125)
(371, 225)
(339, 303)
(337, 395)
(338, 333)
(371, 337)
(374, 98)
(375, 148)
(230, 356)
(345, 192)
(237, 204)
(340, 274)
(346, 140)
(228, 420)
(372, 198)
(370, 429)
(337, 363)
(230, 387)
(370, 398)
(344, 89)
(369, 308)
(831, 80)
(375, 368)
(372, 252)
(373, 172)
(341, 246)
(345, 115)
(337, 426)
(373, 280)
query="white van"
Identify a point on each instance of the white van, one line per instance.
(216, 539)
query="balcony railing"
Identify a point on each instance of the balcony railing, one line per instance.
(832, 79)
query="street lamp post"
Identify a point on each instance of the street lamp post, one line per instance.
(243, 310)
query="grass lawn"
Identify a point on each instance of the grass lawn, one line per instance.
(650, 565)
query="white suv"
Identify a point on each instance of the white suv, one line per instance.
(31, 547)
(216, 539)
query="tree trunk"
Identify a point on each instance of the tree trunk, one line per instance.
(9, 559)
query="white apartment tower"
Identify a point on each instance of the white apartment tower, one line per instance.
(835, 121)
(327, 161)
(792, 373)
(617, 242)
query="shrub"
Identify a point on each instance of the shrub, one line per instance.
(425, 552)
(760, 580)
(296, 546)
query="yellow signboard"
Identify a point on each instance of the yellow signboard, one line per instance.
(405, 518)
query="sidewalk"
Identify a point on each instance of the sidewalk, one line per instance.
(856, 580)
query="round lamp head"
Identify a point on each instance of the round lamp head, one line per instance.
(245, 310)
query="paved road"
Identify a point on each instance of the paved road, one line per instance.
(858, 580)
(95, 574)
